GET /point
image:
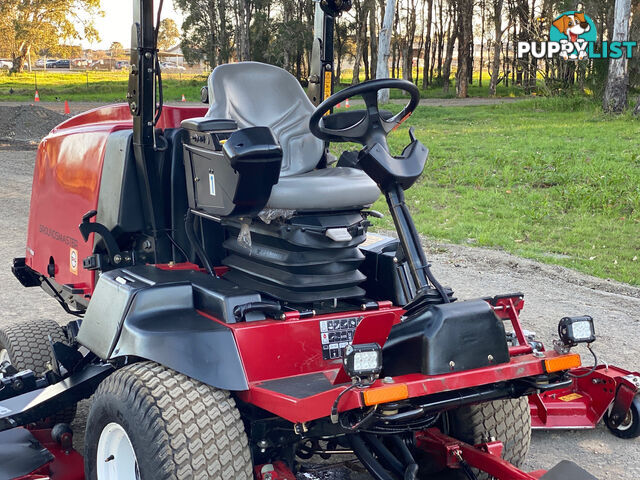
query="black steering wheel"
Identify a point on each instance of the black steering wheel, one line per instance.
(366, 127)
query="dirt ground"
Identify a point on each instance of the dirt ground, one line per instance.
(551, 293)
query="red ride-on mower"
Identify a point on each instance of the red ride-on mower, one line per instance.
(233, 318)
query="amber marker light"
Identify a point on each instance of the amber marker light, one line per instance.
(562, 362)
(386, 394)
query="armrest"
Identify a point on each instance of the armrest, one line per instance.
(205, 124)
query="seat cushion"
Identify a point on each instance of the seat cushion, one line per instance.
(337, 188)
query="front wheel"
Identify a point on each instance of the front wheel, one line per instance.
(149, 422)
(630, 427)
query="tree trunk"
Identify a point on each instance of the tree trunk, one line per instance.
(427, 46)
(446, 68)
(465, 41)
(615, 95)
(497, 47)
(373, 42)
(483, 9)
(361, 33)
(384, 45)
(243, 17)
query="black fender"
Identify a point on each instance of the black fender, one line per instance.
(153, 314)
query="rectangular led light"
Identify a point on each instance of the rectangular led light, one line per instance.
(362, 361)
(574, 330)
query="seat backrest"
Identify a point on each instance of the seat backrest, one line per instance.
(256, 94)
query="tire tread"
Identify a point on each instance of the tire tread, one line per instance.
(195, 430)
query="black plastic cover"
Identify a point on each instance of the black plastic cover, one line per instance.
(386, 170)
(154, 314)
(236, 181)
(21, 453)
(446, 338)
(567, 470)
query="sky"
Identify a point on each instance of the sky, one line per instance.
(115, 26)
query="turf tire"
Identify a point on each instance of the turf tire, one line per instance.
(508, 421)
(27, 343)
(179, 428)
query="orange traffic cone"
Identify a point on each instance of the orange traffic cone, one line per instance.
(338, 105)
(183, 99)
(346, 103)
(67, 110)
(37, 97)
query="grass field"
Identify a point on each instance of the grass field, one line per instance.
(91, 86)
(549, 179)
(112, 86)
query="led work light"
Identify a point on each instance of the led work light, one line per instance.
(363, 361)
(575, 330)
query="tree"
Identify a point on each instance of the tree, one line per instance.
(116, 49)
(465, 45)
(202, 35)
(168, 34)
(29, 25)
(384, 46)
(615, 94)
(497, 46)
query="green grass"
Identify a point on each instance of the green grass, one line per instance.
(91, 86)
(548, 179)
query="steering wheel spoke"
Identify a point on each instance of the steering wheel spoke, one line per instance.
(372, 127)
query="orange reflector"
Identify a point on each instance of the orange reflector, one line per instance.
(563, 362)
(391, 393)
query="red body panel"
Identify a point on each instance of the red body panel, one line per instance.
(583, 404)
(66, 183)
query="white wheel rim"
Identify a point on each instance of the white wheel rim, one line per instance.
(116, 458)
(4, 357)
(627, 422)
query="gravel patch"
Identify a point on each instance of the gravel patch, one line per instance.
(27, 123)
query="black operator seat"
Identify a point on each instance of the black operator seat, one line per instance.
(257, 95)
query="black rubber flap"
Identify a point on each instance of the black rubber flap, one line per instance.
(21, 453)
(446, 338)
(567, 470)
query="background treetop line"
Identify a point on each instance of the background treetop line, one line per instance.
(431, 39)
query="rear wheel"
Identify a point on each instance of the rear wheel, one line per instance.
(26, 346)
(508, 421)
(149, 422)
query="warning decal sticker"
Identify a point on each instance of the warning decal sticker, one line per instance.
(73, 261)
(337, 334)
(571, 397)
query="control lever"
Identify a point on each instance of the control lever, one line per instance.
(114, 255)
